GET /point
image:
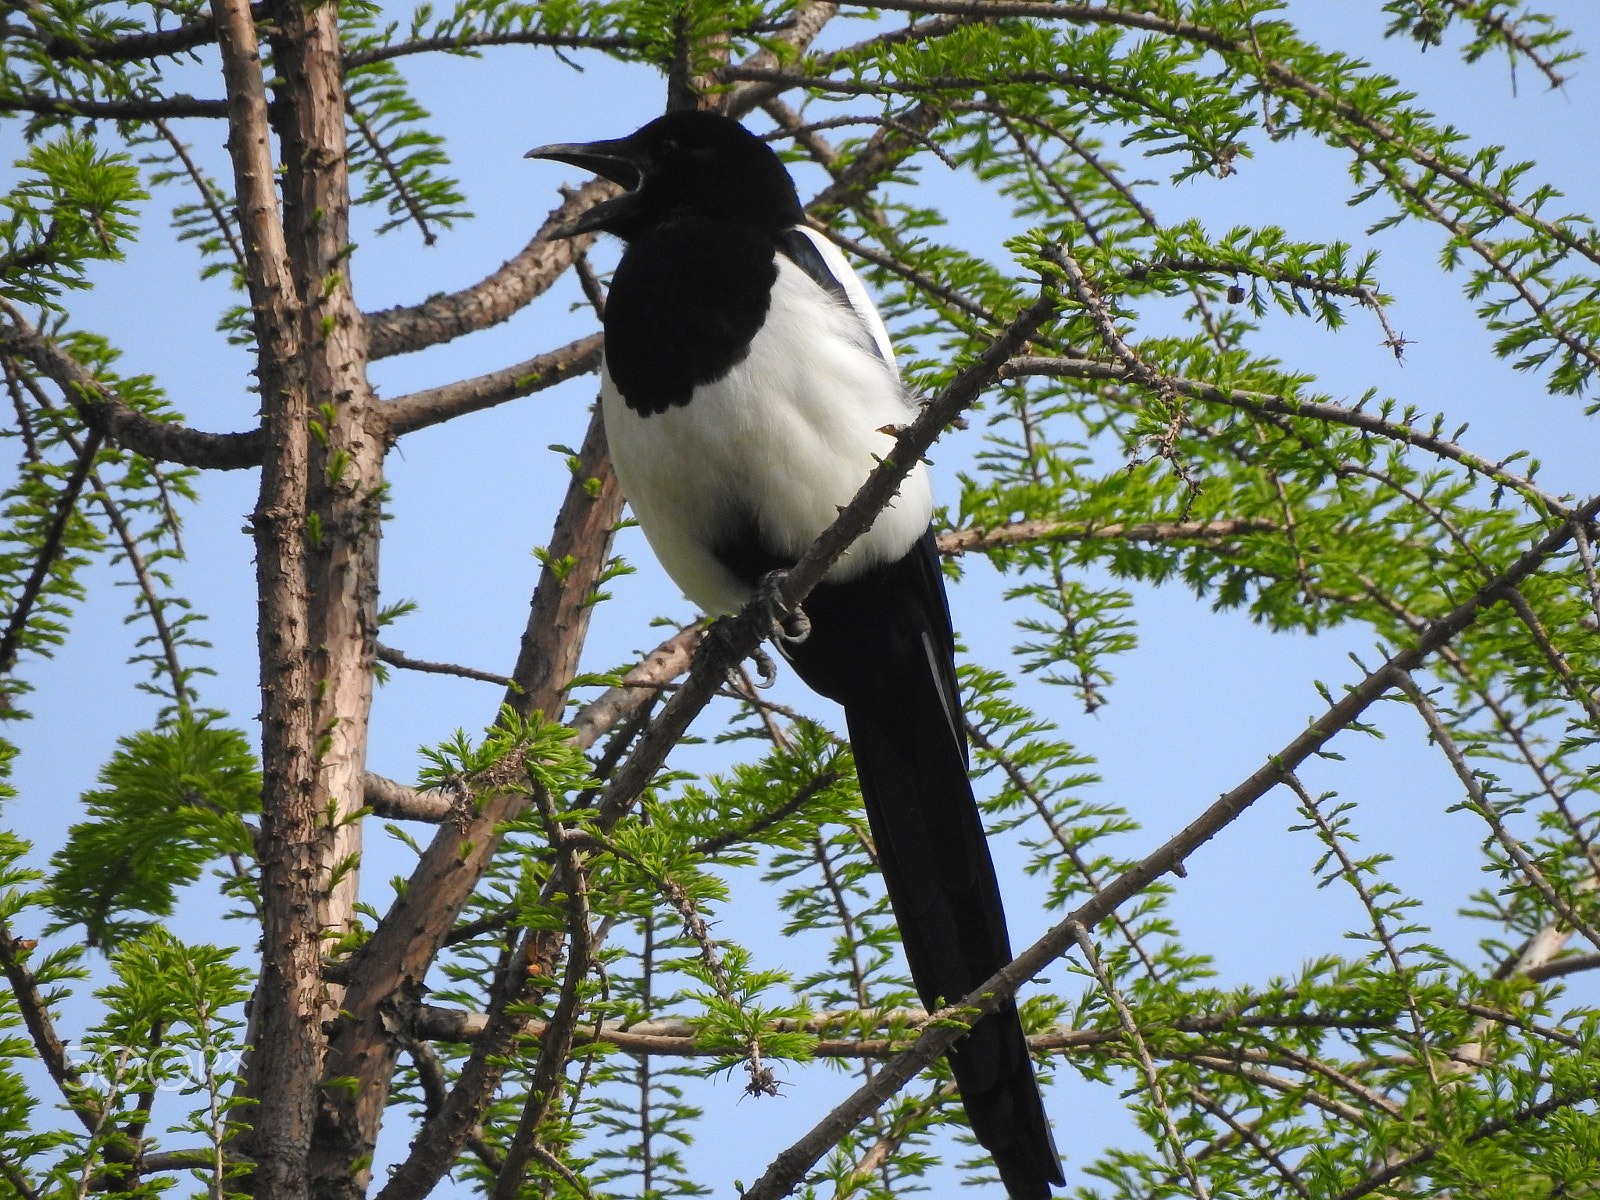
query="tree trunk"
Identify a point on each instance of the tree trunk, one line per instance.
(316, 528)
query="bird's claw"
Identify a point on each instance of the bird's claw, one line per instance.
(795, 627)
(766, 670)
(789, 625)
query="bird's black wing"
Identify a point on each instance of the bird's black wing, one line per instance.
(881, 644)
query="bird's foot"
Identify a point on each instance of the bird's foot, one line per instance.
(795, 626)
(766, 671)
(789, 625)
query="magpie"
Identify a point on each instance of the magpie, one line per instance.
(748, 388)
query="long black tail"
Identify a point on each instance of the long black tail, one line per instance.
(881, 645)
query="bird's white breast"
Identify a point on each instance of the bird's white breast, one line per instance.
(784, 439)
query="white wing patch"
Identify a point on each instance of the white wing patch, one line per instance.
(841, 270)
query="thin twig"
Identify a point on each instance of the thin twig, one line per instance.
(1251, 1138)
(956, 542)
(397, 178)
(1397, 1168)
(1290, 406)
(49, 549)
(1351, 874)
(1590, 575)
(1482, 805)
(1147, 1068)
(1133, 364)
(1575, 687)
(544, 1090)
(208, 194)
(395, 658)
(434, 406)
(1062, 838)
(683, 1037)
(752, 829)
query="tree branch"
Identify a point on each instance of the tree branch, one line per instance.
(159, 441)
(957, 542)
(394, 658)
(35, 1012)
(962, 85)
(169, 108)
(555, 1047)
(1484, 807)
(419, 410)
(454, 1122)
(461, 43)
(1570, 965)
(396, 802)
(518, 281)
(1396, 1168)
(684, 1037)
(1248, 1135)
(809, 21)
(639, 686)
(1135, 1041)
(315, 530)
(156, 43)
(45, 556)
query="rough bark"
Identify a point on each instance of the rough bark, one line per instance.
(419, 410)
(315, 527)
(396, 958)
(345, 481)
(287, 1046)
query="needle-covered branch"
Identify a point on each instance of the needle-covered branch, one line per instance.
(684, 1038)
(1486, 808)
(1291, 406)
(114, 110)
(957, 542)
(11, 638)
(555, 1046)
(790, 1166)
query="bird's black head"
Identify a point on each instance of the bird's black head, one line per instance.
(685, 163)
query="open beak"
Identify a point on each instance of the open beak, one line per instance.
(615, 160)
